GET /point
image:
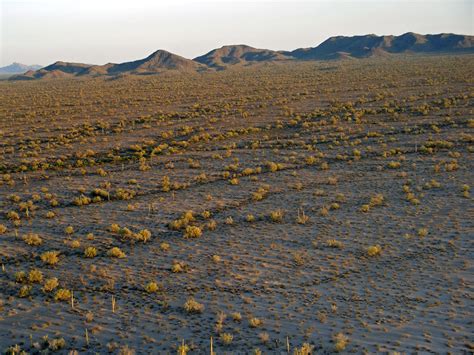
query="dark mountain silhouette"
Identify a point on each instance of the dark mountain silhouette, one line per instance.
(18, 68)
(372, 45)
(339, 47)
(241, 54)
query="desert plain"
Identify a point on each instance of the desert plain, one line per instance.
(295, 208)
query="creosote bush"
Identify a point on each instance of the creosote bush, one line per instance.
(192, 306)
(152, 287)
(192, 232)
(50, 257)
(116, 252)
(422, 232)
(32, 239)
(226, 338)
(340, 342)
(50, 284)
(255, 322)
(90, 252)
(63, 294)
(374, 250)
(276, 216)
(333, 243)
(35, 276)
(25, 291)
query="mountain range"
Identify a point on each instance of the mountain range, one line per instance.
(339, 47)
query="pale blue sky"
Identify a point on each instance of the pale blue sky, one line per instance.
(100, 31)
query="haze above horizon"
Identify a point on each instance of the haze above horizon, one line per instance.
(43, 31)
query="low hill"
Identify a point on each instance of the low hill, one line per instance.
(158, 61)
(241, 54)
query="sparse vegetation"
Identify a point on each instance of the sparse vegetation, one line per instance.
(284, 198)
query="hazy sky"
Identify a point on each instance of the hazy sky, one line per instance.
(100, 31)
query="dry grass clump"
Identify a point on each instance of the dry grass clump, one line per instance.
(192, 232)
(422, 232)
(374, 250)
(20, 276)
(394, 164)
(116, 252)
(184, 224)
(144, 235)
(236, 316)
(25, 291)
(306, 349)
(13, 216)
(234, 181)
(76, 243)
(182, 349)
(152, 287)
(255, 322)
(276, 216)
(259, 194)
(50, 257)
(124, 194)
(377, 200)
(82, 200)
(365, 208)
(192, 306)
(340, 342)
(272, 166)
(63, 294)
(226, 338)
(32, 239)
(164, 246)
(126, 234)
(90, 252)
(250, 218)
(50, 284)
(302, 218)
(324, 211)
(211, 225)
(178, 267)
(54, 345)
(333, 243)
(35, 276)
(50, 214)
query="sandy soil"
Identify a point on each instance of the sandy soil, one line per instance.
(334, 203)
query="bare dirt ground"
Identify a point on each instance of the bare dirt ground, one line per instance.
(331, 210)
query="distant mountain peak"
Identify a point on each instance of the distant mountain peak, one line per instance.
(18, 68)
